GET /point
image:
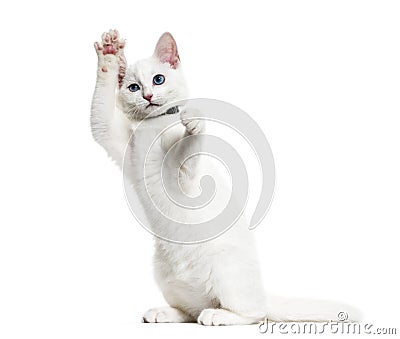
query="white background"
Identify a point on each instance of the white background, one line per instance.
(321, 78)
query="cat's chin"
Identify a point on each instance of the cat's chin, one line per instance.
(152, 106)
(153, 111)
(149, 111)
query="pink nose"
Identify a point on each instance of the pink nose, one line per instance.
(148, 97)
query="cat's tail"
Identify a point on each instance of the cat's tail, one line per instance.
(296, 309)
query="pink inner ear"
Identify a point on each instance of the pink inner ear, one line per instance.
(167, 51)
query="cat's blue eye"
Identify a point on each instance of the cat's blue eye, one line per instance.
(158, 79)
(133, 87)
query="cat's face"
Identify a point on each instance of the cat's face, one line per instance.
(153, 82)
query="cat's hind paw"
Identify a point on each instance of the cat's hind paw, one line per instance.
(165, 315)
(212, 317)
(221, 317)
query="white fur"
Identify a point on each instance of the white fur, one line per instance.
(216, 282)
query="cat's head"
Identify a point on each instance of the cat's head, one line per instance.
(153, 82)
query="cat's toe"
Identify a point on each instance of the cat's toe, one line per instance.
(106, 38)
(98, 46)
(114, 34)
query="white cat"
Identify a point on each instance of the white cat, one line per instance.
(217, 282)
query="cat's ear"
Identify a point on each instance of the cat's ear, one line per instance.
(166, 50)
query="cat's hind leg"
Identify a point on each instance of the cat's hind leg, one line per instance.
(166, 315)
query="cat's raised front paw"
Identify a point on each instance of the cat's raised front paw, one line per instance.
(110, 43)
(111, 53)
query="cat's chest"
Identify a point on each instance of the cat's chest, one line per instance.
(179, 262)
(151, 140)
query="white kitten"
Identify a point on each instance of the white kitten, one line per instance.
(216, 282)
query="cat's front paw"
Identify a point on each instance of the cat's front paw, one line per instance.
(189, 118)
(111, 53)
